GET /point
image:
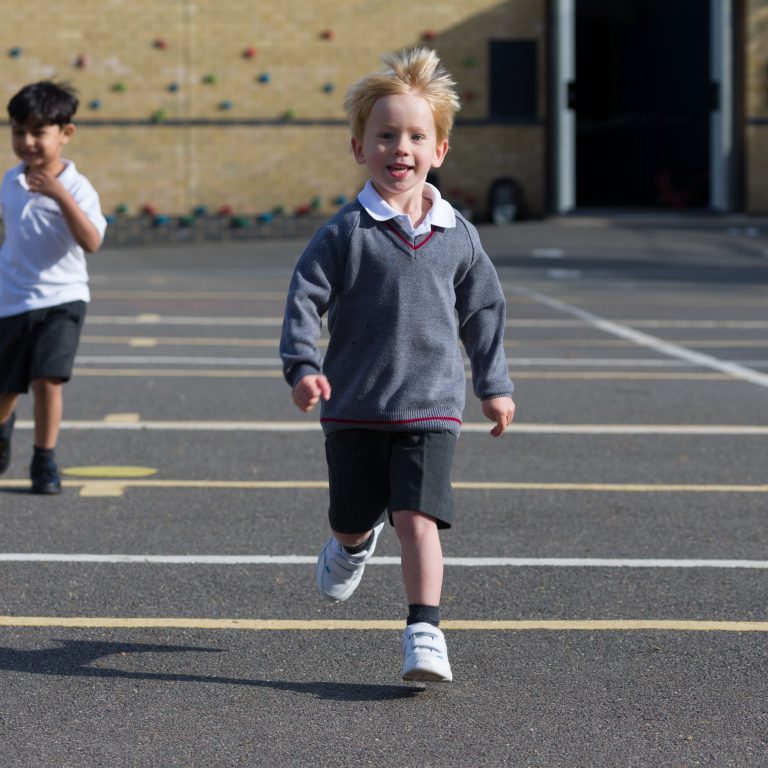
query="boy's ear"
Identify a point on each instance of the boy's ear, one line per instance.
(68, 131)
(357, 151)
(441, 150)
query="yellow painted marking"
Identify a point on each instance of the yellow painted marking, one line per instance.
(148, 373)
(110, 486)
(213, 341)
(187, 295)
(186, 341)
(275, 373)
(109, 471)
(315, 625)
(102, 490)
(122, 418)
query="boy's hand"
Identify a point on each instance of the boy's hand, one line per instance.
(309, 390)
(501, 410)
(45, 183)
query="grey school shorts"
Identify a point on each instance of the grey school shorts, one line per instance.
(371, 472)
(39, 344)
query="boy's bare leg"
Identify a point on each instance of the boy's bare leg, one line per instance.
(49, 407)
(7, 405)
(421, 556)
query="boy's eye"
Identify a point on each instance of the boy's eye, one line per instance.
(418, 137)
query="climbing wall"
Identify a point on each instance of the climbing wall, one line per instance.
(235, 106)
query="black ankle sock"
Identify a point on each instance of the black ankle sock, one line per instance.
(6, 427)
(427, 613)
(43, 454)
(360, 547)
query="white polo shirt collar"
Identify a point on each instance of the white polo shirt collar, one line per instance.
(441, 214)
(69, 169)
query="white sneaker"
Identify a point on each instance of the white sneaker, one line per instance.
(338, 573)
(425, 655)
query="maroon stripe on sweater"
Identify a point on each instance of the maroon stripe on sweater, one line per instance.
(402, 237)
(384, 421)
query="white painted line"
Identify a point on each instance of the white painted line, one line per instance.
(465, 562)
(548, 253)
(651, 342)
(126, 424)
(156, 319)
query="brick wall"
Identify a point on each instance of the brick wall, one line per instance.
(756, 86)
(233, 102)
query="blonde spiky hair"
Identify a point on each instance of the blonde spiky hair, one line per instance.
(417, 71)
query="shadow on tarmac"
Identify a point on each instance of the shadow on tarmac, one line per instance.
(73, 658)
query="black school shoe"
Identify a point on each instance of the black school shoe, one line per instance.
(45, 476)
(6, 430)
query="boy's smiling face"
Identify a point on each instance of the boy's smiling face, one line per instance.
(39, 146)
(400, 147)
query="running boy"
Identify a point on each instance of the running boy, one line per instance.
(400, 275)
(51, 215)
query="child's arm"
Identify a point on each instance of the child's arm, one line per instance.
(83, 231)
(312, 287)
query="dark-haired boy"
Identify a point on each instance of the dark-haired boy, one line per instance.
(52, 216)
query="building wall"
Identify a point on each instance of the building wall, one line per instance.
(188, 103)
(756, 107)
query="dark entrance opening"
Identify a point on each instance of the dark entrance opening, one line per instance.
(642, 98)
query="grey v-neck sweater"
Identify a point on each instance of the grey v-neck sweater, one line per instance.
(396, 307)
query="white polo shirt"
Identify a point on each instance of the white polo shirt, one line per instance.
(441, 213)
(41, 265)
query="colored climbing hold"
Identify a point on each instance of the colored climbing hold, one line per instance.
(173, 87)
(315, 203)
(249, 52)
(328, 88)
(158, 116)
(289, 114)
(265, 217)
(470, 61)
(81, 62)
(186, 221)
(327, 34)
(95, 103)
(264, 77)
(278, 210)
(240, 222)
(119, 87)
(148, 209)
(200, 210)
(160, 43)
(428, 34)
(225, 210)
(303, 210)
(225, 105)
(469, 95)
(340, 200)
(121, 209)
(161, 220)
(15, 52)
(210, 79)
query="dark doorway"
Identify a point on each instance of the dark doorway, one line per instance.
(642, 98)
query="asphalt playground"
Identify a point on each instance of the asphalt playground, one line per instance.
(606, 588)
